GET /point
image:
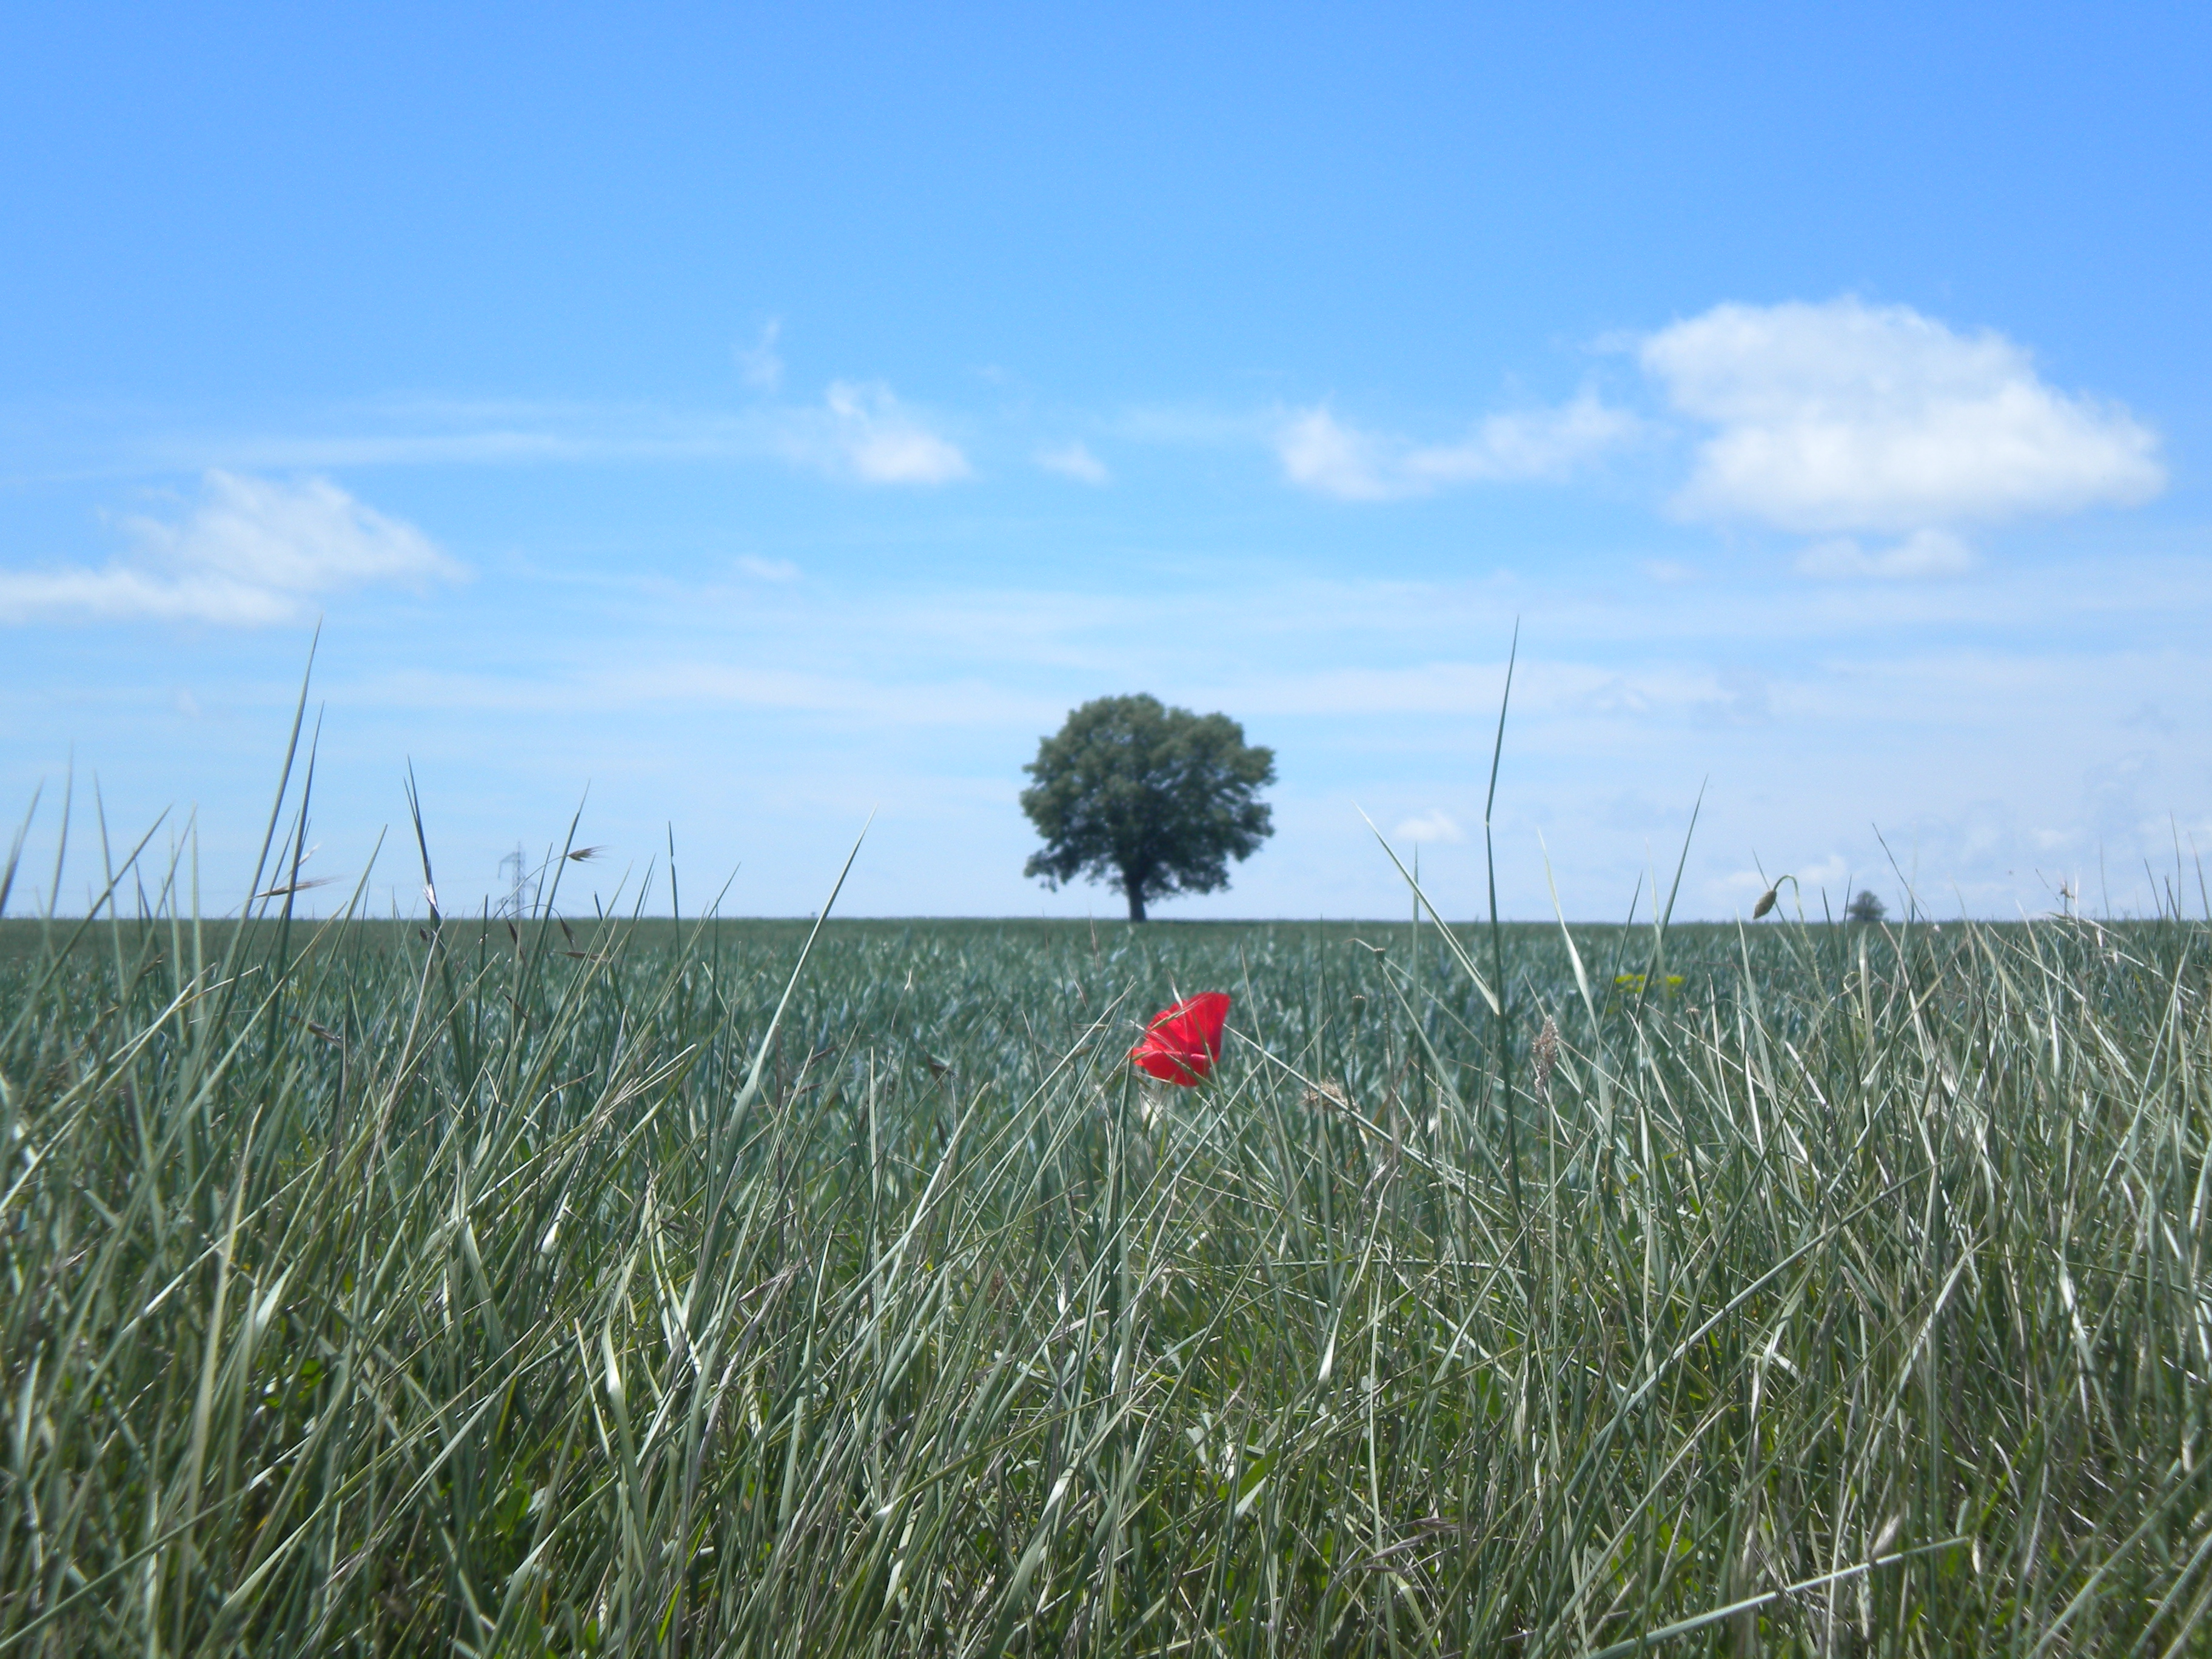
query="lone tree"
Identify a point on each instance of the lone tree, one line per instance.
(1156, 801)
(1866, 908)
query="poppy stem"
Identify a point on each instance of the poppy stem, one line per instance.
(1505, 1047)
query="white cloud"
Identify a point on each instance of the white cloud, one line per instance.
(866, 433)
(1540, 443)
(250, 552)
(1924, 553)
(1434, 825)
(1323, 454)
(767, 570)
(1831, 871)
(1339, 461)
(1074, 460)
(1842, 417)
(762, 366)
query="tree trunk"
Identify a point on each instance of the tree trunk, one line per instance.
(1135, 889)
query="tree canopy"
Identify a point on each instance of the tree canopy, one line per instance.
(1155, 801)
(1866, 907)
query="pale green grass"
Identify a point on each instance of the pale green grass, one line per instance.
(379, 1290)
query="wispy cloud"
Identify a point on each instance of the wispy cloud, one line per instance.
(1074, 460)
(250, 552)
(1329, 457)
(1924, 553)
(860, 432)
(1842, 419)
(1816, 710)
(1434, 825)
(863, 432)
(1196, 425)
(871, 700)
(1882, 434)
(760, 363)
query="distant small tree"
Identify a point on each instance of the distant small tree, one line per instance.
(1865, 907)
(1155, 801)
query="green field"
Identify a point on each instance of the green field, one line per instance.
(375, 1289)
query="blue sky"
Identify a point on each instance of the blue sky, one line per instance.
(742, 420)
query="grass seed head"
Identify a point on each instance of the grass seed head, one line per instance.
(1545, 1053)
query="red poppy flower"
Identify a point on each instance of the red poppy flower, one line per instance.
(1182, 1042)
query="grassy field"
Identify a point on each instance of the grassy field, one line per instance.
(600, 1287)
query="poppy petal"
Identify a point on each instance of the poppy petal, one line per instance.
(1181, 1043)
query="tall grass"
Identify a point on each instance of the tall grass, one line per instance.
(391, 1288)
